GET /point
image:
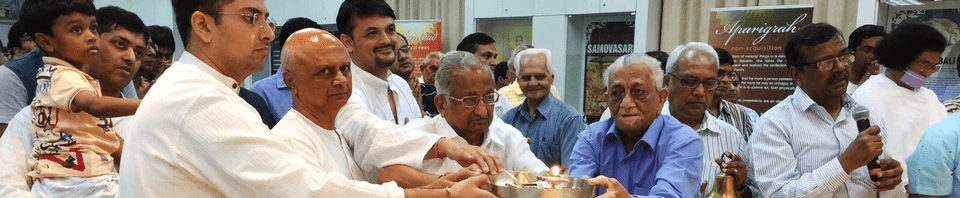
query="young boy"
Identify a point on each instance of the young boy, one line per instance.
(75, 146)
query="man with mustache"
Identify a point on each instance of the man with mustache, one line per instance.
(403, 67)
(368, 33)
(113, 67)
(691, 79)
(809, 145)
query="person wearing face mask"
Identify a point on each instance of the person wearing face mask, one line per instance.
(910, 53)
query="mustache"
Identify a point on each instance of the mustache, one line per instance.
(387, 46)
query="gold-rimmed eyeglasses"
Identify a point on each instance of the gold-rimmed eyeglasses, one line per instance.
(471, 101)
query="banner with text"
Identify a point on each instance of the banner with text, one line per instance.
(423, 35)
(606, 41)
(944, 16)
(755, 36)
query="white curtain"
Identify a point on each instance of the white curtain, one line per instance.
(692, 17)
(450, 12)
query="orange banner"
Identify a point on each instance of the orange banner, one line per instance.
(423, 36)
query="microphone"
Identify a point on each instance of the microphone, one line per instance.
(862, 115)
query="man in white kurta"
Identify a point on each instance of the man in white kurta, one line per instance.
(912, 113)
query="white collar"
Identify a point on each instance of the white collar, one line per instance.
(190, 59)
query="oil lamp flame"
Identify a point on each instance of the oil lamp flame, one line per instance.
(555, 170)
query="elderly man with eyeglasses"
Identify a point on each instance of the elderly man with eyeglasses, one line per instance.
(691, 78)
(465, 100)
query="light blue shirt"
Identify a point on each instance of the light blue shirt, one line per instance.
(552, 130)
(275, 93)
(795, 146)
(666, 162)
(937, 155)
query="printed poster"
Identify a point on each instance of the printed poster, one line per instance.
(755, 36)
(944, 16)
(423, 35)
(606, 41)
(508, 33)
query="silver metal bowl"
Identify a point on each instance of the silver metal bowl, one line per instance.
(576, 188)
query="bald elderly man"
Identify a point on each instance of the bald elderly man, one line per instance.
(318, 74)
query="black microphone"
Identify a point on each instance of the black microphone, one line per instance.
(862, 115)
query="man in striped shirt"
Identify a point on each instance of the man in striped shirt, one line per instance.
(809, 145)
(691, 79)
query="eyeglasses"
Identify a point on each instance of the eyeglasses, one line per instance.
(153, 46)
(405, 48)
(934, 67)
(258, 20)
(471, 101)
(26, 38)
(829, 64)
(690, 83)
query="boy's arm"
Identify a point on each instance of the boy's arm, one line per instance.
(100, 106)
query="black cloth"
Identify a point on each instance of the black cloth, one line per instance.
(427, 93)
(260, 105)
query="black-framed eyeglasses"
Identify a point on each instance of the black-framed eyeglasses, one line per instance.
(829, 64)
(690, 83)
(257, 20)
(405, 48)
(471, 101)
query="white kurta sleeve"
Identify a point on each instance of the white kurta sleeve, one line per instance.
(377, 143)
(235, 153)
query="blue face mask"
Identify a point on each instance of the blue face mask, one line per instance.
(913, 79)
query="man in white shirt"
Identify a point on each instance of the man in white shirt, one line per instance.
(368, 32)
(691, 78)
(466, 96)
(203, 140)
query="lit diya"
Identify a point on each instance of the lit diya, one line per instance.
(545, 184)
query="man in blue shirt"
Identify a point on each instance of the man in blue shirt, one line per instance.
(936, 156)
(274, 92)
(646, 154)
(551, 125)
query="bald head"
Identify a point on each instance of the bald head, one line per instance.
(316, 67)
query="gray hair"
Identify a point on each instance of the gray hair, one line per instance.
(513, 54)
(452, 64)
(694, 47)
(635, 60)
(533, 51)
(431, 56)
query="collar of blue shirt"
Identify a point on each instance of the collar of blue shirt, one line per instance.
(279, 78)
(545, 106)
(650, 137)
